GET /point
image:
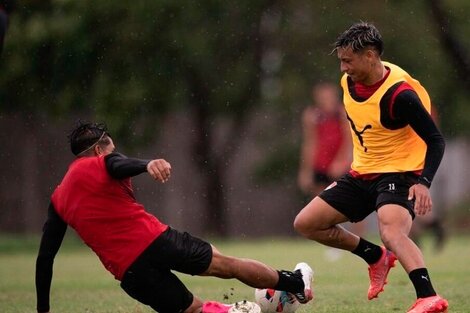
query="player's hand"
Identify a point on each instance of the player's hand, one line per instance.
(159, 169)
(422, 198)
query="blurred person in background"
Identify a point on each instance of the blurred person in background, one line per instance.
(96, 199)
(326, 144)
(325, 153)
(397, 149)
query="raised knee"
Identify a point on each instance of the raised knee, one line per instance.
(298, 225)
(302, 226)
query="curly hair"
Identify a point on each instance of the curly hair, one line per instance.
(86, 135)
(359, 37)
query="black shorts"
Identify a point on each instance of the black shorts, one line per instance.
(357, 198)
(150, 280)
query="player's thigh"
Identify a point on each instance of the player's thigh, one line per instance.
(394, 188)
(179, 251)
(160, 289)
(318, 214)
(394, 220)
(350, 197)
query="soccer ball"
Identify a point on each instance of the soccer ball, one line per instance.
(275, 301)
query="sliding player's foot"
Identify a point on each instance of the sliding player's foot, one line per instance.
(238, 307)
(307, 277)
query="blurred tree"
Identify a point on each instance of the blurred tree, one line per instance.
(130, 63)
(220, 58)
(452, 42)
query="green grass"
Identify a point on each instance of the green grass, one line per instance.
(81, 284)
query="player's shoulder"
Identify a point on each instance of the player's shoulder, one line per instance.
(401, 90)
(404, 85)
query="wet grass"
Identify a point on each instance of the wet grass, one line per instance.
(81, 284)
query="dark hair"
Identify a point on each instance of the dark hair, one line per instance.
(85, 135)
(360, 36)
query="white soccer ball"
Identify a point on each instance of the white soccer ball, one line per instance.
(275, 301)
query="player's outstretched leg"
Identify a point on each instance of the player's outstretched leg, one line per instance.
(378, 273)
(259, 275)
(434, 304)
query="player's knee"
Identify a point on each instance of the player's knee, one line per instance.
(298, 224)
(390, 236)
(303, 226)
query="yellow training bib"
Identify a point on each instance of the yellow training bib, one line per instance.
(378, 149)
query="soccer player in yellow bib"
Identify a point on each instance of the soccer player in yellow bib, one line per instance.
(397, 150)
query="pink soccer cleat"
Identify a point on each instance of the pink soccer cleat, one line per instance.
(215, 307)
(378, 273)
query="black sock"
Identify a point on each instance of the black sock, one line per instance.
(289, 281)
(422, 283)
(368, 251)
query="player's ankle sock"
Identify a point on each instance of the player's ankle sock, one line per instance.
(422, 283)
(368, 251)
(289, 281)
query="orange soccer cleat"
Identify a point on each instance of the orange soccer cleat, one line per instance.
(378, 273)
(434, 304)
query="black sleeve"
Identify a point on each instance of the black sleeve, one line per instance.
(52, 236)
(408, 107)
(119, 166)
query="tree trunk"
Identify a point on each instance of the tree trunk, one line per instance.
(450, 42)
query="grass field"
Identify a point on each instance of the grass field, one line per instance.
(82, 285)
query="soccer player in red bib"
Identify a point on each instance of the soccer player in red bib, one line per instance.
(96, 199)
(325, 150)
(397, 150)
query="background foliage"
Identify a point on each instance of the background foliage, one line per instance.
(81, 284)
(132, 63)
